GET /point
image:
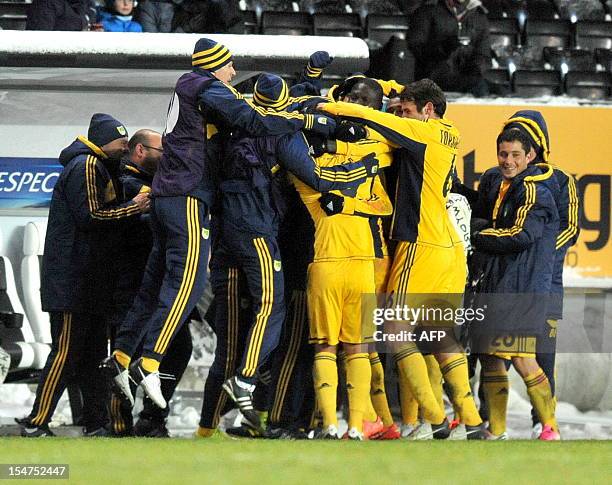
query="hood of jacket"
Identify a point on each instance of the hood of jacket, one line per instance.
(80, 146)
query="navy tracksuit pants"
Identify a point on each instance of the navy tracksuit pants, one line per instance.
(174, 278)
(246, 275)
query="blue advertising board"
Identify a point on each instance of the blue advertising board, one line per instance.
(27, 183)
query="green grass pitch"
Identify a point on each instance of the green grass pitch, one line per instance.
(221, 460)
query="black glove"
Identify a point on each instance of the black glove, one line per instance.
(317, 62)
(321, 124)
(331, 203)
(370, 163)
(350, 131)
(476, 225)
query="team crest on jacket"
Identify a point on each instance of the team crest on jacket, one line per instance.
(121, 130)
(205, 233)
(277, 265)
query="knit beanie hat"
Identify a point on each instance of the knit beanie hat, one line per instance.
(104, 129)
(271, 92)
(533, 124)
(210, 55)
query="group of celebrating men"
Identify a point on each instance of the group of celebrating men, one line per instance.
(315, 210)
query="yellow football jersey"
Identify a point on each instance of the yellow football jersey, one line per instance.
(426, 152)
(344, 236)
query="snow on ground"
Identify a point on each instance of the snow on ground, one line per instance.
(17, 399)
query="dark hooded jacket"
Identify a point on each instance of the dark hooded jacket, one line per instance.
(515, 256)
(533, 124)
(82, 232)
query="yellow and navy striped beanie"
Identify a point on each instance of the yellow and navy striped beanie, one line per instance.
(533, 124)
(271, 92)
(210, 55)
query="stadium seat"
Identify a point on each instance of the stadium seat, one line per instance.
(286, 23)
(540, 10)
(532, 84)
(503, 32)
(393, 61)
(594, 34)
(499, 81)
(28, 355)
(14, 8)
(548, 33)
(33, 247)
(13, 22)
(380, 28)
(604, 57)
(574, 59)
(340, 25)
(249, 23)
(589, 85)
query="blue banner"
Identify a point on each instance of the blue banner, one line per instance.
(27, 183)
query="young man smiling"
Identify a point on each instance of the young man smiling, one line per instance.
(515, 255)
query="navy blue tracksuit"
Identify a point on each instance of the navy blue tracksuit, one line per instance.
(253, 187)
(136, 245)
(201, 113)
(78, 277)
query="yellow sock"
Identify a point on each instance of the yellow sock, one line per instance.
(202, 432)
(150, 365)
(325, 377)
(541, 398)
(358, 378)
(370, 413)
(122, 358)
(408, 404)
(377, 390)
(496, 388)
(455, 372)
(412, 370)
(435, 378)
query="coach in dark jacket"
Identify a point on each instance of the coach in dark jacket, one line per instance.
(450, 41)
(60, 15)
(77, 273)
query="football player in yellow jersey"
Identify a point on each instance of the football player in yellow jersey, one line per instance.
(429, 258)
(343, 271)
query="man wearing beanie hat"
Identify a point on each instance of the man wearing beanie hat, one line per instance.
(253, 204)
(514, 253)
(533, 124)
(183, 191)
(76, 280)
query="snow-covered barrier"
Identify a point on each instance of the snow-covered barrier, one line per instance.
(282, 53)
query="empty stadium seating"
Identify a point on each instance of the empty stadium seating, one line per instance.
(13, 15)
(248, 23)
(540, 10)
(341, 25)
(594, 34)
(503, 32)
(589, 85)
(574, 59)
(548, 33)
(536, 83)
(499, 81)
(380, 28)
(286, 23)
(604, 57)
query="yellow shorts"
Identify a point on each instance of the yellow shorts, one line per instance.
(418, 271)
(382, 268)
(339, 293)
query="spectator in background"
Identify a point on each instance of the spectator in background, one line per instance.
(450, 41)
(60, 15)
(206, 16)
(156, 15)
(116, 16)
